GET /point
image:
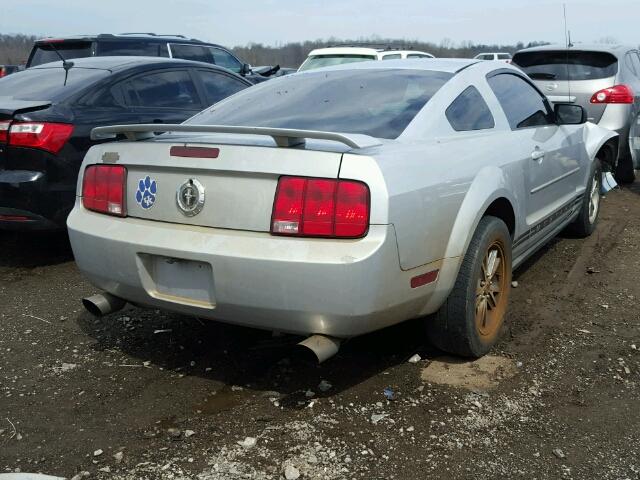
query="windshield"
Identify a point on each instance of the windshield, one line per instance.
(47, 83)
(45, 52)
(567, 65)
(380, 103)
(319, 61)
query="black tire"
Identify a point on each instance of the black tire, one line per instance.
(586, 221)
(624, 170)
(455, 327)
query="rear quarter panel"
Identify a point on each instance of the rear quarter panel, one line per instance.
(435, 194)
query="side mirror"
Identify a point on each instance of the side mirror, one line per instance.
(245, 69)
(568, 114)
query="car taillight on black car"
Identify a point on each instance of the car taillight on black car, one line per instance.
(320, 207)
(4, 131)
(104, 189)
(47, 136)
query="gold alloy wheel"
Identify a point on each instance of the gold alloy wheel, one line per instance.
(491, 291)
(594, 199)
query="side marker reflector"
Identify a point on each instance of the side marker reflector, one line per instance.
(424, 279)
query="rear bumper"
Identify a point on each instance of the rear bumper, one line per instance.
(27, 201)
(304, 286)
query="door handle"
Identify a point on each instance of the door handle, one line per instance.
(537, 154)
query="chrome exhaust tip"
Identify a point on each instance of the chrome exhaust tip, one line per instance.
(103, 304)
(322, 347)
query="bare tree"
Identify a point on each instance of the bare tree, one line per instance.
(14, 49)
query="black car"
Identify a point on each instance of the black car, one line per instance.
(139, 44)
(47, 113)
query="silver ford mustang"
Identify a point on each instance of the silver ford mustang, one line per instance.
(340, 201)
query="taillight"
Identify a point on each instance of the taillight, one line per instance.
(4, 131)
(320, 207)
(615, 94)
(43, 135)
(3, 72)
(104, 189)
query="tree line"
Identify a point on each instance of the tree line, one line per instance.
(14, 49)
(293, 54)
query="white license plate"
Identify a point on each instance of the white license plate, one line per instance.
(180, 281)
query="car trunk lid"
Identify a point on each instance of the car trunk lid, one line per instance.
(236, 183)
(578, 92)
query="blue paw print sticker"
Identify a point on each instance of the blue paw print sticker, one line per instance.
(146, 193)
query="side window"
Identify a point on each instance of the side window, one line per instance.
(197, 53)
(225, 60)
(109, 97)
(219, 85)
(635, 60)
(168, 89)
(523, 105)
(469, 112)
(417, 55)
(392, 56)
(628, 60)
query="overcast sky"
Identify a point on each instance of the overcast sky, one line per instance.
(238, 22)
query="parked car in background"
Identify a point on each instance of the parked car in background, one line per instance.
(9, 69)
(337, 55)
(139, 44)
(335, 208)
(47, 113)
(273, 72)
(605, 80)
(503, 56)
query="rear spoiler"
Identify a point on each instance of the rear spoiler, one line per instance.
(10, 106)
(284, 137)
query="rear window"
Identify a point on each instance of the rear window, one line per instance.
(380, 103)
(567, 65)
(132, 48)
(48, 83)
(45, 52)
(319, 61)
(504, 56)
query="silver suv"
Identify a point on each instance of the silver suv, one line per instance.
(605, 80)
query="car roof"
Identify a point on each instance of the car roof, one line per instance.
(448, 65)
(124, 62)
(127, 36)
(617, 49)
(363, 50)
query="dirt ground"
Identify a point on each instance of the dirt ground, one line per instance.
(143, 394)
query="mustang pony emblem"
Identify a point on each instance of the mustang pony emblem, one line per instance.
(190, 197)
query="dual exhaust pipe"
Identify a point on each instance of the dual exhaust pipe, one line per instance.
(103, 304)
(320, 346)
